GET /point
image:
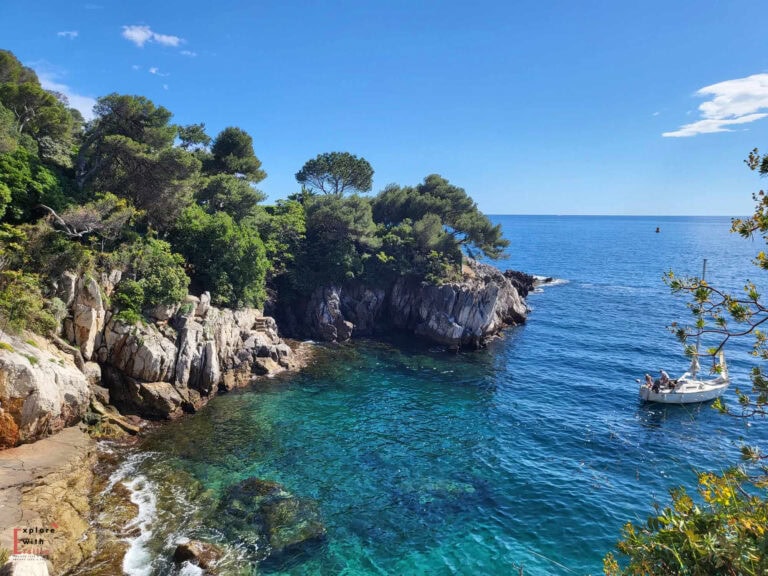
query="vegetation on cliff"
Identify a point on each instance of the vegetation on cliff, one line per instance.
(175, 209)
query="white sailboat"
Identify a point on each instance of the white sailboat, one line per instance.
(688, 389)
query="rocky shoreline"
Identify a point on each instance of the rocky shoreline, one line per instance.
(114, 376)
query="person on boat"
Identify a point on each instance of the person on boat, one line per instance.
(648, 381)
(664, 380)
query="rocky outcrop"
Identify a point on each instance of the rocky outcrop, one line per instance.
(88, 315)
(454, 314)
(458, 313)
(44, 488)
(161, 369)
(41, 390)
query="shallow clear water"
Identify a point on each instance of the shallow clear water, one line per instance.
(533, 452)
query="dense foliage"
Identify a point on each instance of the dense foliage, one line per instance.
(175, 209)
(724, 530)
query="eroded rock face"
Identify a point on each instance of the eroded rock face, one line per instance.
(139, 351)
(157, 370)
(88, 315)
(41, 392)
(455, 314)
(458, 314)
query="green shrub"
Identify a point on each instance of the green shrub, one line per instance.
(6, 346)
(128, 317)
(129, 296)
(22, 305)
(32, 359)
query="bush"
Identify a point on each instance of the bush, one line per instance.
(22, 305)
(129, 296)
(160, 273)
(724, 533)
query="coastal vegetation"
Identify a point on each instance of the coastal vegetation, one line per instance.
(175, 209)
(724, 529)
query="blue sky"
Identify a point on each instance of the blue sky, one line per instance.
(559, 107)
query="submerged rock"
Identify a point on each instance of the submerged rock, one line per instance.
(199, 553)
(269, 519)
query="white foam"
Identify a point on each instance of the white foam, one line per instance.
(188, 569)
(138, 560)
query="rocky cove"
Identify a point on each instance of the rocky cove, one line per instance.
(190, 352)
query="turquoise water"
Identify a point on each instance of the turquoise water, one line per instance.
(531, 453)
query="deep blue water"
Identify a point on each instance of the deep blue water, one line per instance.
(533, 452)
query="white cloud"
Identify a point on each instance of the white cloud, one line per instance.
(165, 86)
(156, 71)
(82, 103)
(188, 53)
(732, 102)
(71, 34)
(136, 67)
(140, 35)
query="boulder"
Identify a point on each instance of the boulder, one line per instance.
(139, 351)
(150, 399)
(199, 553)
(41, 392)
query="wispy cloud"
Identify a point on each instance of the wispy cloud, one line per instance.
(84, 104)
(71, 34)
(731, 103)
(156, 71)
(188, 53)
(141, 35)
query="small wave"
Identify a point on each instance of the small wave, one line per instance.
(138, 559)
(546, 281)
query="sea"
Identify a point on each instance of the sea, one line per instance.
(526, 457)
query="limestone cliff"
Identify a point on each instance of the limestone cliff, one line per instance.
(156, 369)
(454, 314)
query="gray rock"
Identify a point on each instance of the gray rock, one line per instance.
(41, 392)
(151, 399)
(67, 287)
(89, 315)
(140, 351)
(204, 304)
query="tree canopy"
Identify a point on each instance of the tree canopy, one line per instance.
(128, 151)
(458, 213)
(336, 173)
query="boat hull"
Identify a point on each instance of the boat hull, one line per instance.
(685, 393)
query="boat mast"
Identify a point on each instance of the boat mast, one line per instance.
(695, 363)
